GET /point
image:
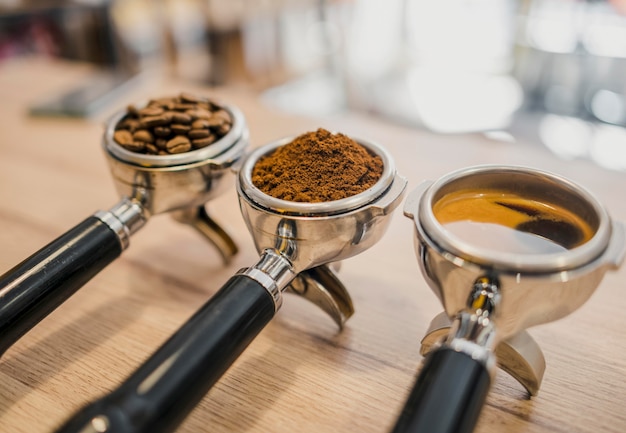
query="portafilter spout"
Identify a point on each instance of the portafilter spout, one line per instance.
(293, 239)
(504, 248)
(148, 184)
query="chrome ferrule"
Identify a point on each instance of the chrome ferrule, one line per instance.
(125, 218)
(473, 330)
(274, 272)
(474, 336)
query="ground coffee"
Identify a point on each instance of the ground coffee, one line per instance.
(172, 125)
(317, 167)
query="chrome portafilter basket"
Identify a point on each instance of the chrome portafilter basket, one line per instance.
(180, 184)
(296, 243)
(491, 295)
(147, 184)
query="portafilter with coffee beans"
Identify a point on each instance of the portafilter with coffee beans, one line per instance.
(149, 184)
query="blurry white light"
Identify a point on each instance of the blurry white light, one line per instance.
(472, 35)
(606, 40)
(323, 38)
(186, 22)
(316, 94)
(139, 28)
(608, 148)
(373, 38)
(555, 35)
(553, 25)
(609, 106)
(462, 102)
(501, 136)
(567, 137)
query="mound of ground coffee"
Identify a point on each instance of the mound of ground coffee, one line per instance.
(172, 125)
(317, 167)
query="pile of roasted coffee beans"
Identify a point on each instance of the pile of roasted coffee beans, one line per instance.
(172, 125)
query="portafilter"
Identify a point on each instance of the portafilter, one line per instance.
(148, 185)
(296, 242)
(503, 248)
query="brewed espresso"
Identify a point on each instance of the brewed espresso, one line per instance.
(506, 222)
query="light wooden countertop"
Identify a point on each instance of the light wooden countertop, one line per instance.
(300, 374)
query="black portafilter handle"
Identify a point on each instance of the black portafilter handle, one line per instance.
(158, 396)
(37, 286)
(448, 395)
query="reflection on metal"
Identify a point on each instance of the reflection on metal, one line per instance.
(322, 287)
(198, 218)
(520, 355)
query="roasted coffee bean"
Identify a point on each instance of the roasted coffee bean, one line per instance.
(132, 110)
(222, 114)
(161, 143)
(200, 124)
(143, 135)
(198, 133)
(151, 111)
(209, 106)
(135, 146)
(129, 124)
(203, 142)
(180, 129)
(151, 121)
(199, 114)
(181, 118)
(183, 107)
(160, 102)
(172, 125)
(214, 122)
(222, 129)
(162, 131)
(188, 97)
(178, 144)
(165, 104)
(123, 137)
(170, 115)
(152, 149)
(133, 124)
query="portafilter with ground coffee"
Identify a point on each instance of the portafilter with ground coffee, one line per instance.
(149, 184)
(503, 248)
(296, 242)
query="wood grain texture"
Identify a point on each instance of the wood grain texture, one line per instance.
(300, 374)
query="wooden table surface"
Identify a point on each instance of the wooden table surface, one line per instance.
(300, 374)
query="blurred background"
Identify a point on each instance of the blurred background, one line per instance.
(550, 72)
